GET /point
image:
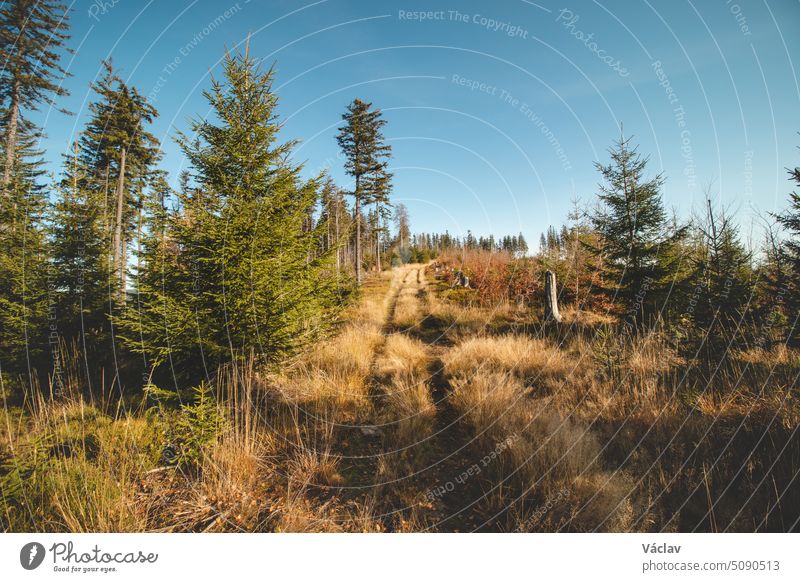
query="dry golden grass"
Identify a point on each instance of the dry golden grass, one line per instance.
(546, 453)
(778, 355)
(460, 322)
(492, 380)
(333, 374)
(570, 315)
(227, 494)
(650, 357)
(533, 361)
(485, 396)
(312, 466)
(403, 370)
(410, 407)
(402, 354)
(296, 513)
(407, 311)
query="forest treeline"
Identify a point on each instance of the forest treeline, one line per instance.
(110, 274)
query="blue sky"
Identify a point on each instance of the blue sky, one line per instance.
(496, 110)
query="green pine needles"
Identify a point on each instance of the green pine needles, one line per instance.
(241, 268)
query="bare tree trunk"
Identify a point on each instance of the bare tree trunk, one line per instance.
(105, 206)
(118, 243)
(123, 274)
(328, 228)
(11, 135)
(551, 298)
(357, 212)
(338, 239)
(139, 234)
(378, 249)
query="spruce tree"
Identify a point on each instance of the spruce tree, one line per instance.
(774, 273)
(79, 257)
(632, 224)
(712, 283)
(32, 34)
(119, 155)
(366, 160)
(521, 248)
(334, 214)
(25, 282)
(584, 267)
(790, 254)
(725, 269)
(403, 226)
(235, 271)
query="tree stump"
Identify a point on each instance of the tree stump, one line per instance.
(551, 298)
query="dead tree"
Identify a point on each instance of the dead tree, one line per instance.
(551, 298)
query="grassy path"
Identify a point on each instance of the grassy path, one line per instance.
(426, 446)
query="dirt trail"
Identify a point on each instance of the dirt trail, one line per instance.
(362, 446)
(429, 486)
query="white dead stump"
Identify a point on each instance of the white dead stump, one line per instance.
(551, 298)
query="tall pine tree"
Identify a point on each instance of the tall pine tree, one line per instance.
(26, 287)
(32, 36)
(119, 154)
(366, 160)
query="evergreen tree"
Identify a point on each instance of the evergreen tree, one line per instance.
(119, 155)
(403, 225)
(775, 310)
(470, 242)
(725, 269)
(366, 160)
(24, 274)
(235, 272)
(94, 218)
(584, 268)
(31, 34)
(790, 255)
(521, 248)
(383, 214)
(79, 257)
(334, 214)
(632, 225)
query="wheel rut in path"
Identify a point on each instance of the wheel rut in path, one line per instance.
(361, 446)
(439, 478)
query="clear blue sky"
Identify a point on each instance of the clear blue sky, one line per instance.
(496, 110)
